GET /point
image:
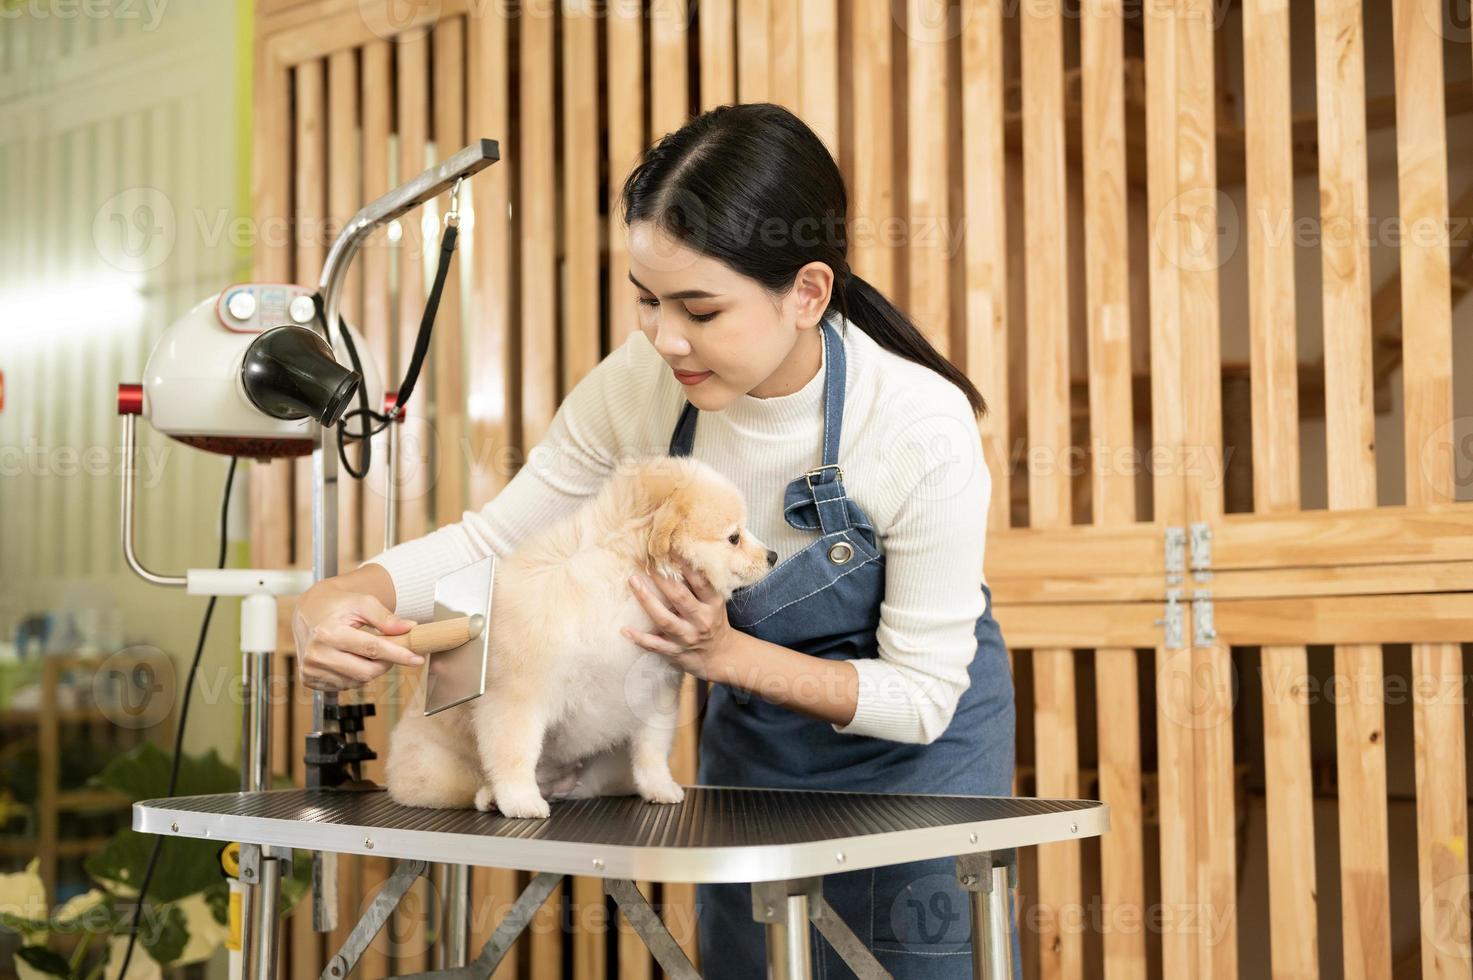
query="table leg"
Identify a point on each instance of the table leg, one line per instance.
(453, 945)
(788, 953)
(990, 878)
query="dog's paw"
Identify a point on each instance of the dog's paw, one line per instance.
(558, 785)
(662, 791)
(485, 799)
(519, 801)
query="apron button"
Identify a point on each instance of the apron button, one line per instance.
(840, 553)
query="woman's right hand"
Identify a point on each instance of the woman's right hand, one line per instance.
(334, 652)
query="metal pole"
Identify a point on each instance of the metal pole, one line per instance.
(992, 939)
(269, 941)
(257, 644)
(452, 908)
(789, 956)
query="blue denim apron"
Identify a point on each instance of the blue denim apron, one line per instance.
(825, 601)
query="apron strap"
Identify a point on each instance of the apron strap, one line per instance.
(824, 483)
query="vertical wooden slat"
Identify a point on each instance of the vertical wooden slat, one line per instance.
(818, 25)
(718, 53)
(1288, 779)
(669, 91)
(376, 86)
(627, 139)
(1168, 416)
(1046, 256)
(538, 229)
(786, 53)
(343, 196)
(580, 281)
(309, 209)
(488, 344)
(754, 50)
(1351, 474)
(872, 176)
(1195, 214)
(927, 188)
(1439, 708)
(448, 101)
(270, 483)
(416, 437)
(1107, 283)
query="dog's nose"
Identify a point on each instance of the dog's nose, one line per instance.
(771, 558)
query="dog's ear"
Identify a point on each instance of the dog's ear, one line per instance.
(659, 480)
(666, 520)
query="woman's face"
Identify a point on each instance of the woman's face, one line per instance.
(731, 335)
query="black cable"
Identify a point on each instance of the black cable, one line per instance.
(416, 361)
(199, 648)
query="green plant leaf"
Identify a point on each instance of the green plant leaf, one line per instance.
(186, 864)
(142, 773)
(44, 961)
(293, 888)
(217, 897)
(166, 937)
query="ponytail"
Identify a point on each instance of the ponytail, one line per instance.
(866, 307)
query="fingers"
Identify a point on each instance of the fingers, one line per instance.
(368, 646)
(330, 670)
(699, 585)
(650, 600)
(377, 615)
(658, 644)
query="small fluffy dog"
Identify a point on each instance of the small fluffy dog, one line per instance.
(573, 709)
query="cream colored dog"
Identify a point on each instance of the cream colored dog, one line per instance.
(573, 709)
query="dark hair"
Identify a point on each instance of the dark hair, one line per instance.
(741, 183)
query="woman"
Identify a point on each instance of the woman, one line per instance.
(868, 659)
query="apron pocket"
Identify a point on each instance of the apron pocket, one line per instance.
(921, 910)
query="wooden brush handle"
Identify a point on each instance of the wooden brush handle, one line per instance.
(447, 634)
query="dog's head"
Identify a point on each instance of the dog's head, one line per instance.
(698, 517)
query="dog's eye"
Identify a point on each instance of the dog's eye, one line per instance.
(736, 538)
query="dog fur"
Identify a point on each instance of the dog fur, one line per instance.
(573, 709)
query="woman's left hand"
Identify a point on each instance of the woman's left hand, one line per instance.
(690, 617)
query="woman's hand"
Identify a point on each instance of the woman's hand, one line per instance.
(333, 652)
(690, 619)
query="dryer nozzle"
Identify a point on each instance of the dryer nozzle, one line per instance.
(289, 372)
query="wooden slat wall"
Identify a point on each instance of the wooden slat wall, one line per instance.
(563, 89)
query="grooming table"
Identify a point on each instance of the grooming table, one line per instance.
(781, 841)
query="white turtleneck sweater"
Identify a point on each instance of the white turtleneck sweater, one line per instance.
(911, 456)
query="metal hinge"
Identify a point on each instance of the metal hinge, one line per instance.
(1201, 551)
(1176, 553)
(1179, 541)
(1172, 620)
(1204, 632)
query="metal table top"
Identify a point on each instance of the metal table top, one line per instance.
(716, 834)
